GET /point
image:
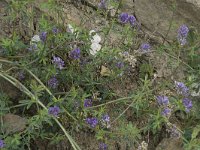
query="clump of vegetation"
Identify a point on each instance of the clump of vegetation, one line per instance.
(73, 80)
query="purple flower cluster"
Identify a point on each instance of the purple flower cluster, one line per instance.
(174, 133)
(182, 88)
(58, 62)
(120, 64)
(92, 122)
(166, 111)
(188, 104)
(102, 4)
(103, 146)
(164, 102)
(106, 118)
(33, 47)
(53, 82)
(43, 36)
(182, 34)
(2, 144)
(184, 91)
(132, 20)
(87, 103)
(126, 18)
(105, 121)
(21, 75)
(55, 30)
(55, 110)
(145, 47)
(75, 54)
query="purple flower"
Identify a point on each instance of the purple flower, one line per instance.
(103, 146)
(120, 65)
(53, 82)
(166, 112)
(75, 54)
(162, 100)
(58, 62)
(55, 30)
(174, 133)
(55, 110)
(188, 104)
(33, 47)
(181, 88)
(124, 18)
(21, 75)
(125, 53)
(106, 118)
(88, 103)
(2, 144)
(132, 20)
(145, 47)
(43, 36)
(92, 122)
(183, 31)
(102, 4)
(182, 34)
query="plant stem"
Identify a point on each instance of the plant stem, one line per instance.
(27, 92)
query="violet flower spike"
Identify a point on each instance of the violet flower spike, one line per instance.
(162, 100)
(53, 82)
(33, 47)
(88, 103)
(92, 122)
(182, 88)
(182, 34)
(183, 31)
(58, 62)
(120, 65)
(75, 54)
(132, 20)
(55, 30)
(188, 104)
(2, 144)
(145, 47)
(103, 146)
(43, 36)
(174, 132)
(124, 18)
(106, 118)
(55, 110)
(166, 112)
(102, 4)
(21, 76)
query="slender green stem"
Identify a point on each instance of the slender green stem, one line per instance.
(48, 91)
(27, 92)
(122, 113)
(113, 101)
(174, 57)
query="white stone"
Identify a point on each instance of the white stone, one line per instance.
(35, 38)
(95, 47)
(96, 39)
(70, 28)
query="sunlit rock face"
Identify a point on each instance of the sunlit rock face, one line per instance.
(158, 15)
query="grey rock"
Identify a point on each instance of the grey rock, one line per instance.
(9, 89)
(158, 15)
(170, 144)
(13, 123)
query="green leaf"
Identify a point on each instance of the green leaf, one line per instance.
(196, 131)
